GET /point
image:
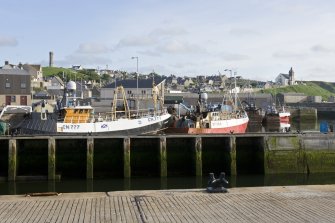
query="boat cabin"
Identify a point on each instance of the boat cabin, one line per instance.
(77, 114)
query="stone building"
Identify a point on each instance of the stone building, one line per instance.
(15, 85)
(286, 79)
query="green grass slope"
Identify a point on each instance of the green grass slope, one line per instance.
(311, 88)
(53, 71)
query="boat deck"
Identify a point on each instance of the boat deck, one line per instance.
(258, 204)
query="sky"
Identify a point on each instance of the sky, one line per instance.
(257, 39)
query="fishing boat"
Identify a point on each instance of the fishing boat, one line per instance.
(72, 116)
(255, 114)
(284, 115)
(223, 118)
(272, 115)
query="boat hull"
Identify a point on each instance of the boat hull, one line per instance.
(284, 117)
(143, 125)
(35, 125)
(232, 127)
(277, 118)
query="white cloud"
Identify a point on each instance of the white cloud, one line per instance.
(7, 41)
(135, 41)
(149, 53)
(243, 32)
(183, 65)
(172, 31)
(288, 55)
(323, 49)
(234, 57)
(180, 47)
(93, 48)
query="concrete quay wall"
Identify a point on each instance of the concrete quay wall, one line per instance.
(164, 155)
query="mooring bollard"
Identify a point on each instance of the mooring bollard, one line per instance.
(216, 185)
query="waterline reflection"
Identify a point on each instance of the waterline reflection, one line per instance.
(104, 185)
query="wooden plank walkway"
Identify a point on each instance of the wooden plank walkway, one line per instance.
(315, 203)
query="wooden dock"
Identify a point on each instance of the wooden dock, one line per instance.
(315, 203)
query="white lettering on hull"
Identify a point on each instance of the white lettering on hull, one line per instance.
(119, 125)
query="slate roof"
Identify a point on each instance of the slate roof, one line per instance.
(285, 76)
(14, 72)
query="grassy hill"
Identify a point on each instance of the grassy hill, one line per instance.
(70, 74)
(53, 71)
(310, 88)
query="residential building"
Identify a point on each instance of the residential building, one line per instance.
(35, 70)
(130, 86)
(15, 85)
(55, 83)
(77, 67)
(55, 87)
(188, 82)
(36, 73)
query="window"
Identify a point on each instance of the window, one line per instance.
(13, 98)
(143, 92)
(23, 85)
(7, 85)
(129, 92)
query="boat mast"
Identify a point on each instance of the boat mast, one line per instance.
(235, 100)
(125, 108)
(235, 90)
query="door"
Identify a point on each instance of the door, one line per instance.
(23, 100)
(8, 100)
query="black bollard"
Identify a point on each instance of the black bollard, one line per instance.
(216, 185)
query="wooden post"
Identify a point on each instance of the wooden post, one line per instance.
(12, 153)
(126, 158)
(51, 158)
(89, 157)
(163, 160)
(89, 185)
(265, 148)
(232, 149)
(198, 156)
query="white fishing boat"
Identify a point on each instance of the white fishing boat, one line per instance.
(121, 120)
(71, 116)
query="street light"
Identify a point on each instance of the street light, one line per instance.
(136, 73)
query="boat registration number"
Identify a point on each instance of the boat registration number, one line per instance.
(66, 127)
(155, 118)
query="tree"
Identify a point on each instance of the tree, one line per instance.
(105, 78)
(90, 75)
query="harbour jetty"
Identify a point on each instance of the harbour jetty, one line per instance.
(54, 157)
(314, 203)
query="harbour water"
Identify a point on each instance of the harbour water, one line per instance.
(149, 183)
(294, 126)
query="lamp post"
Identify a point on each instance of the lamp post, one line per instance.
(136, 73)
